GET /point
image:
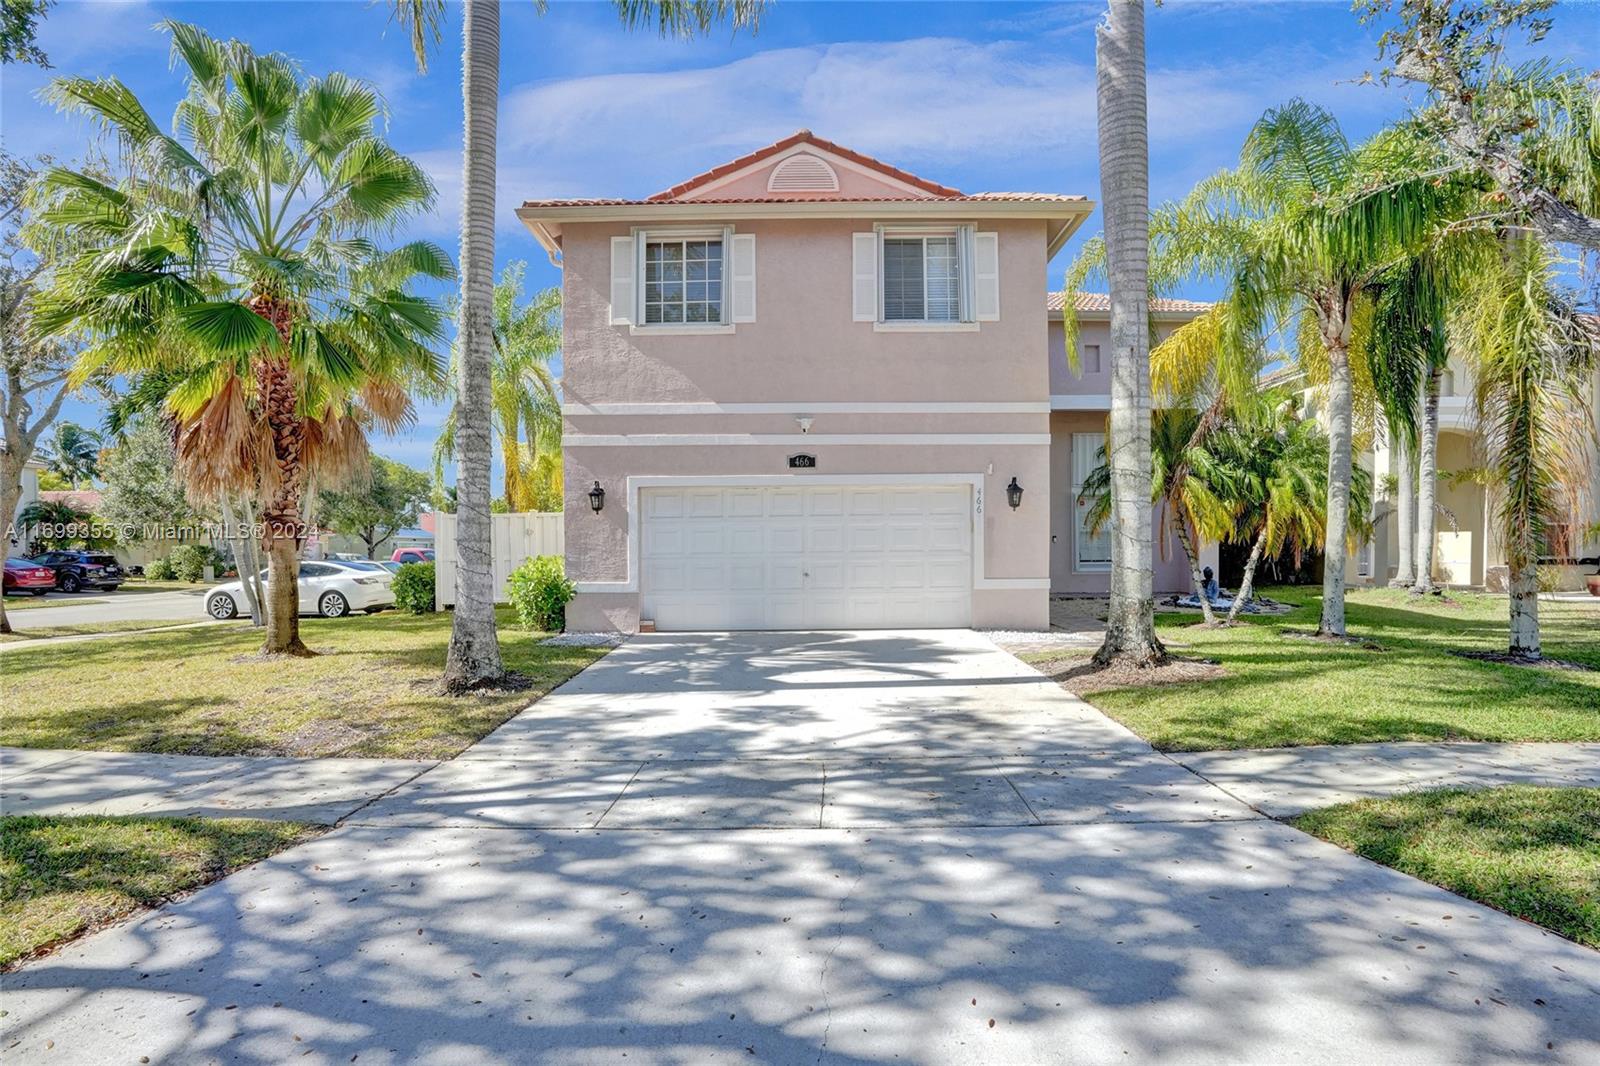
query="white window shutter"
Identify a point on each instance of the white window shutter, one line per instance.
(986, 276)
(864, 276)
(623, 268)
(742, 276)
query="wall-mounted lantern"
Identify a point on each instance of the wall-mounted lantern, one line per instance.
(1014, 494)
(597, 498)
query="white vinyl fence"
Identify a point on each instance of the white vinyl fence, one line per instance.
(513, 537)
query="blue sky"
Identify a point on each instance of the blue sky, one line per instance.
(983, 96)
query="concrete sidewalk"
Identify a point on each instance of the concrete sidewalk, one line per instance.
(1283, 782)
(42, 781)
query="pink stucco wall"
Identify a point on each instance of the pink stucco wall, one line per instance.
(804, 349)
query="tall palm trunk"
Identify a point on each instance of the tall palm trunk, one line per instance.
(1247, 584)
(1406, 515)
(1186, 540)
(474, 655)
(511, 458)
(283, 527)
(1427, 484)
(1125, 194)
(1336, 339)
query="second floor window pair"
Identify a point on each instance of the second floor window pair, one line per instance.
(704, 280)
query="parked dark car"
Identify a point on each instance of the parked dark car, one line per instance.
(25, 575)
(83, 569)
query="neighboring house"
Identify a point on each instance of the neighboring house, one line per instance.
(804, 381)
(30, 492)
(1468, 548)
(323, 543)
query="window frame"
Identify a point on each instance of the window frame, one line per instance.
(965, 320)
(642, 238)
(1079, 532)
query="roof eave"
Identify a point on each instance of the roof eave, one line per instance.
(1072, 211)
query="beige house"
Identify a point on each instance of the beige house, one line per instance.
(809, 386)
(1468, 550)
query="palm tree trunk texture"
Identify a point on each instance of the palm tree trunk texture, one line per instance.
(1125, 194)
(283, 526)
(474, 655)
(1247, 584)
(1406, 516)
(1427, 484)
(1336, 339)
(1186, 540)
(1524, 588)
(511, 458)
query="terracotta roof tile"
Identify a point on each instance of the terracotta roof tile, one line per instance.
(1099, 302)
(1031, 198)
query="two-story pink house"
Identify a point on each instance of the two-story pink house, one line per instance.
(805, 381)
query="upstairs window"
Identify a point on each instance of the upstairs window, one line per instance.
(682, 282)
(925, 277)
(921, 279)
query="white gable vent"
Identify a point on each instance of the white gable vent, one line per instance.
(803, 173)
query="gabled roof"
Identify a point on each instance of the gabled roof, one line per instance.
(799, 137)
(806, 176)
(1099, 303)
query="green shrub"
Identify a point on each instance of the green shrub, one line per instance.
(189, 561)
(539, 591)
(159, 570)
(413, 587)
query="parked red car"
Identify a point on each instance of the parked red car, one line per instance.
(412, 555)
(25, 575)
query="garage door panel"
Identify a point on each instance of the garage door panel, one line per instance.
(806, 556)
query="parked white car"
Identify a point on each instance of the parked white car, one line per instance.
(331, 588)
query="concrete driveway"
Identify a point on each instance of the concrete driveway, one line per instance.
(801, 848)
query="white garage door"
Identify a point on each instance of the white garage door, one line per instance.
(806, 557)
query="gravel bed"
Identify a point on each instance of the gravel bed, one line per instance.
(586, 640)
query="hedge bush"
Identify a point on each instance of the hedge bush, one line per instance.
(539, 592)
(189, 561)
(413, 587)
(159, 570)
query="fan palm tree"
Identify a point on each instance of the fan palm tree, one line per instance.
(74, 453)
(473, 659)
(1300, 232)
(1533, 358)
(527, 409)
(236, 259)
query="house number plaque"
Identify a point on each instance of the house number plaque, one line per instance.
(802, 462)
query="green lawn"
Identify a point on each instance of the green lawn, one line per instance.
(1531, 852)
(204, 691)
(63, 876)
(1279, 691)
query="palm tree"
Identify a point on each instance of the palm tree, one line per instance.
(1193, 504)
(1124, 136)
(1533, 361)
(527, 409)
(1300, 232)
(236, 257)
(473, 659)
(74, 453)
(1278, 464)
